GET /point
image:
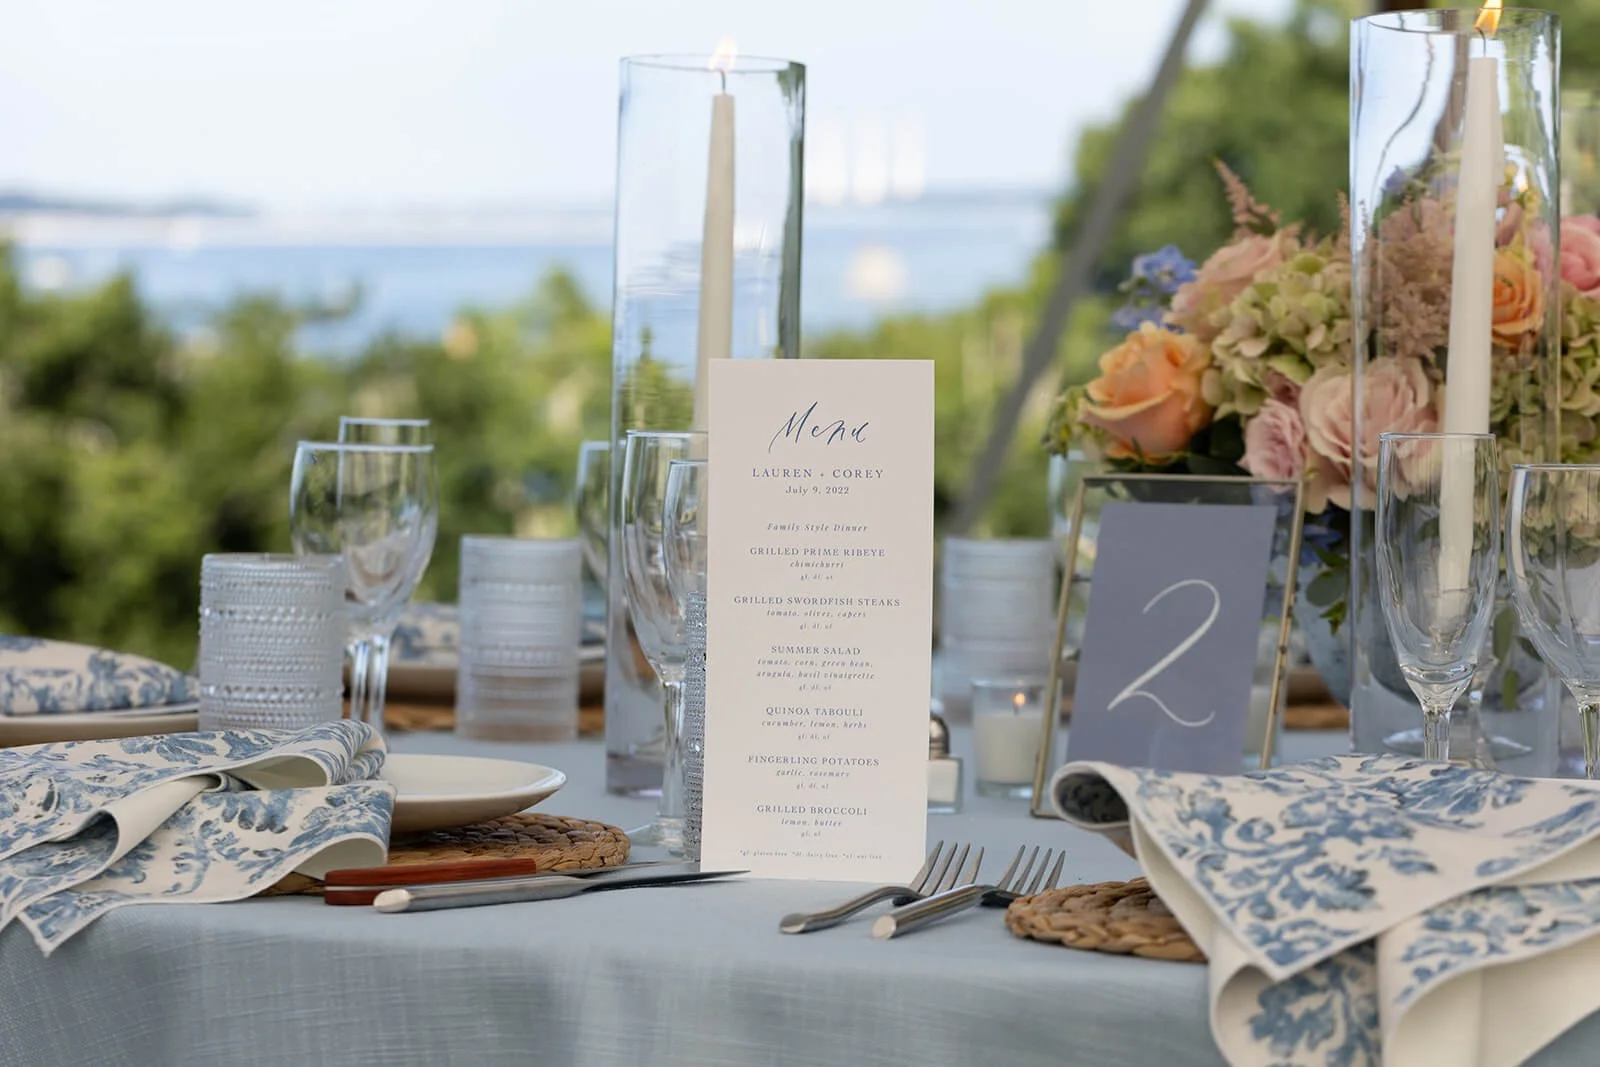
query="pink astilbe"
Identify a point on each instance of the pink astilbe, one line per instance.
(1249, 214)
(1414, 261)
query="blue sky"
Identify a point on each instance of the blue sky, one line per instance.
(394, 103)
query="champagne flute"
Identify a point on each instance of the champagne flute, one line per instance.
(370, 659)
(1438, 549)
(656, 614)
(1553, 559)
(373, 505)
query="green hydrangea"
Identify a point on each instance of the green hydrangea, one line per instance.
(1293, 319)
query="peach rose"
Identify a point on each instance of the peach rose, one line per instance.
(1223, 277)
(1518, 298)
(1275, 442)
(1396, 397)
(1147, 398)
(1580, 253)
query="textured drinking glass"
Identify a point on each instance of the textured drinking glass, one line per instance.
(707, 260)
(684, 529)
(1553, 557)
(272, 631)
(656, 615)
(1438, 545)
(996, 614)
(376, 505)
(521, 607)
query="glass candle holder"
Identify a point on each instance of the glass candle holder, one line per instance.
(1456, 302)
(1007, 724)
(707, 261)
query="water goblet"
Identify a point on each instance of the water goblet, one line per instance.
(1553, 560)
(356, 429)
(655, 613)
(1438, 554)
(375, 506)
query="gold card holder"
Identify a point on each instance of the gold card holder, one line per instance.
(1257, 538)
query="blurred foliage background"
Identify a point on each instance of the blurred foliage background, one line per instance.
(129, 452)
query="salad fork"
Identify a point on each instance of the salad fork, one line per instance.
(933, 877)
(1012, 884)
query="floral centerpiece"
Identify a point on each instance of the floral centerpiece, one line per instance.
(1243, 365)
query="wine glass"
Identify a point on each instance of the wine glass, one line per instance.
(655, 613)
(376, 506)
(1438, 548)
(356, 429)
(1553, 558)
(591, 503)
(684, 527)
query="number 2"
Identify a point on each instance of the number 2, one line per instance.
(1133, 688)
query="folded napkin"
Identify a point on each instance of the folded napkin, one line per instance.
(427, 633)
(88, 826)
(1367, 909)
(39, 677)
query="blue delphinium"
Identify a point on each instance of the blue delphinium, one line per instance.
(1155, 277)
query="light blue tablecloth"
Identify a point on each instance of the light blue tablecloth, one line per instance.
(694, 976)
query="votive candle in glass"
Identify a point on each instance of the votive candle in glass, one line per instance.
(1007, 721)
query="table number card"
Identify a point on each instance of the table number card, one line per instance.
(819, 610)
(1170, 638)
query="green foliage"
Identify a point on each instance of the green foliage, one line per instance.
(130, 454)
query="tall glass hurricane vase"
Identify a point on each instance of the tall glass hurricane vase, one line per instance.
(707, 261)
(1454, 232)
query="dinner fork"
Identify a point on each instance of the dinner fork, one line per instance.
(933, 877)
(1007, 888)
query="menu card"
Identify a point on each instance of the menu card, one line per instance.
(819, 618)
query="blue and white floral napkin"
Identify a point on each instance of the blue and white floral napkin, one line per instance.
(1367, 909)
(40, 677)
(88, 826)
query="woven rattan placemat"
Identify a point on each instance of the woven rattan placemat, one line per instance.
(553, 842)
(420, 717)
(1119, 917)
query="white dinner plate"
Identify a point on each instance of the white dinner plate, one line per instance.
(438, 792)
(17, 730)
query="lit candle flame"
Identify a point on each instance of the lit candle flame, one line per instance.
(1488, 17)
(1018, 699)
(723, 58)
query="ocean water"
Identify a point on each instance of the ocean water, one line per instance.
(860, 264)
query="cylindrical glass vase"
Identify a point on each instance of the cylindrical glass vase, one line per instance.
(1454, 230)
(709, 180)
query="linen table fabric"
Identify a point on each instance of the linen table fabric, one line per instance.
(40, 677)
(1367, 909)
(89, 826)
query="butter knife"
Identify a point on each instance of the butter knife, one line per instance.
(535, 887)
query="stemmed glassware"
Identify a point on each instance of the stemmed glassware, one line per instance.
(655, 612)
(356, 429)
(377, 506)
(591, 502)
(1553, 559)
(1438, 549)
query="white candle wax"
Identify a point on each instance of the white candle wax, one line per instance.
(1008, 744)
(1467, 372)
(1472, 276)
(715, 338)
